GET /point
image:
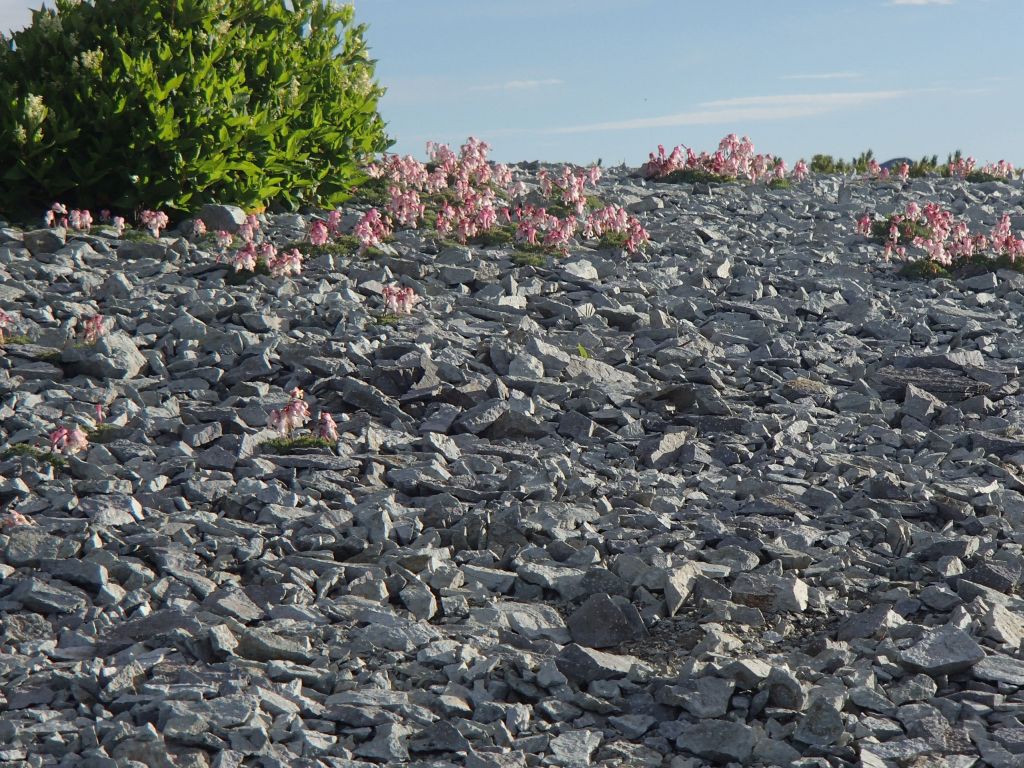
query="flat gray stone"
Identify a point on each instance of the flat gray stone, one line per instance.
(943, 651)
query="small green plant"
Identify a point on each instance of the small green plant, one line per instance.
(923, 269)
(137, 236)
(24, 449)
(779, 184)
(243, 276)
(583, 351)
(523, 258)
(612, 240)
(19, 338)
(341, 245)
(908, 230)
(285, 445)
(695, 176)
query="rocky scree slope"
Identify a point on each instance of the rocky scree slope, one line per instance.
(748, 499)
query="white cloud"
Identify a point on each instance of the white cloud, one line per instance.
(745, 109)
(825, 76)
(517, 85)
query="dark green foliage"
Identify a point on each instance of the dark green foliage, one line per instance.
(779, 184)
(978, 177)
(613, 240)
(528, 258)
(24, 449)
(923, 269)
(908, 230)
(286, 445)
(562, 211)
(243, 276)
(130, 104)
(694, 176)
(341, 245)
(925, 166)
(829, 164)
(501, 235)
(961, 267)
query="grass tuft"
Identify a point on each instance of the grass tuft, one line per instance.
(285, 445)
(24, 449)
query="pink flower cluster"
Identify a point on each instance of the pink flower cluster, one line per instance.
(94, 327)
(570, 186)
(14, 518)
(68, 441)
(878, 173)
(398, 300)
(372, 229)
(5, 320)
(292, 416)
(154, 221)
(327, 427)
(405, 206)
(734, 158)
(962, 167)
(948, 239)
(255, 248)
(57, 216)
(614, 218)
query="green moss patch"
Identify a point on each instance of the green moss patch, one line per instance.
(285, 445)
(24, 449)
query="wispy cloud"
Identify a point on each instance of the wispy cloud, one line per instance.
(746, 109)
(518, 85)
(825, 76)
(921, 2)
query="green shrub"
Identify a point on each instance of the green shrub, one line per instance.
(908, 230)
(130, 104)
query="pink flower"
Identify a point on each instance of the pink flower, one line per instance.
(372, 229)
(285, 263)
(318, 233)
(864, 225)
(334, 222)
(328, 428)
(245, 257)
(398, 301)
(224, 238)
(800, 170)
(5, 320)
(154, 221)
(104, 214)
(292, 416)
(904, 171)
(198, 228)
(95, 327)
(80, 220)
(99, 413)
(76, 441)
(50, 218)
(14, 518)
(118, 224)
(59, 438)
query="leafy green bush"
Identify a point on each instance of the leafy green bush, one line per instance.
(130, 104)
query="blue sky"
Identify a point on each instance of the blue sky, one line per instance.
(577, 80)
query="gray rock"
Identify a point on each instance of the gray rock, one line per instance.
(720, 741)
(821, 725)
(942, 651)
(222, 217)
(584, 665)
(601, 623)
